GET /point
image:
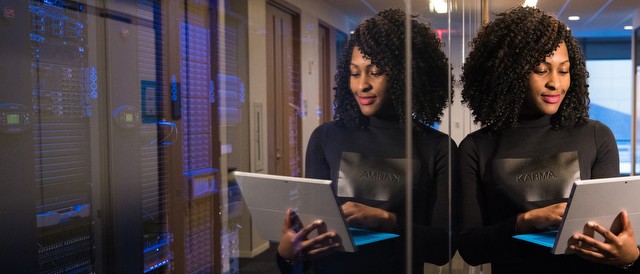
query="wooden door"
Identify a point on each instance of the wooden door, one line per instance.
(283, 93)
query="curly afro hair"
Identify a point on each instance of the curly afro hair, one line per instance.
(505, 51)
(381, 39)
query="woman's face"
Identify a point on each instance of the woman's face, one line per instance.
(548, 83)
(369, 85)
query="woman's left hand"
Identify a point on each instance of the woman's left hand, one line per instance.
(617, 249)
(369, 217)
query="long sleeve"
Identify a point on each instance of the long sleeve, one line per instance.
(316, 163)
(607, 163)
(491, 192)
(431, 237)
(479, 243)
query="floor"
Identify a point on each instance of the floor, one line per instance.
(265, 263)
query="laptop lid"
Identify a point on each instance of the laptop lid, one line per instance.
(269, 196)
(598, 200)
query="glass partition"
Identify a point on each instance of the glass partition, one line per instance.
(122, 122)
(636, 86)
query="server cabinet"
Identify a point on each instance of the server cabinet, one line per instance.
(108, 137)
(163, 205)
(45, 110)
(17, 169)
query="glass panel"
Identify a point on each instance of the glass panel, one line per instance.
(636, 85)
(121, 123)
(613, 108)
(606, 47)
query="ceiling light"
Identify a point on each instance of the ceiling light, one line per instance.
(530, 3)
(628, 27)
(574, 18)
(439, 6)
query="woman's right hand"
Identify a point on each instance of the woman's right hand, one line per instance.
(294, 244)
(541, 218)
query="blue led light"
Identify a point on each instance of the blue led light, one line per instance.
(174, 88)
(156, 247)
(242, 95)
(93, 76)
(212, 89)
(156, 266)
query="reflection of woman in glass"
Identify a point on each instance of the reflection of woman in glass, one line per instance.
(363, 153)
(526, 82)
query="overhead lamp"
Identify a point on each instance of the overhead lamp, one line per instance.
(438, 6)
(530, 3)
(574, 18)
(628, 27)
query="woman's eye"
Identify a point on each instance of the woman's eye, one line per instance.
(355, 74)
(376, 73)
(539, 71)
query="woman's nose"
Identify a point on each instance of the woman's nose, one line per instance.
(364, 84)
(553, 82)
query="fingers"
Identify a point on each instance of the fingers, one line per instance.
(287, 217)
(614, 249)
(541, 218)
(317, 224)
(590, 254)
(322, 244)
(608, 235)
(588, 246)
(321, 226)
(626, 223)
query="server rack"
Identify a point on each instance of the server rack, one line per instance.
(17, 186)
(60, 126)
(156, 107)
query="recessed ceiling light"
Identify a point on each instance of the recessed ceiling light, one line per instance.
(438, 6)
(530, 3)
(574, 18)
(628, 27)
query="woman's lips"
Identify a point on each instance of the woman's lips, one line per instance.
(551, 99)
(366, 100)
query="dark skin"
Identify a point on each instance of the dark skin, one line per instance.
(367, 82)
(617, 249)
(294, 244)
(551, 78)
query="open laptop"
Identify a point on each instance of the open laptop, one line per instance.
(269, 196)
(598, 200)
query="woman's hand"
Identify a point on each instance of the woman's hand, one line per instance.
(541, 218)
(294, 244)
(369, 217)
(617, 249)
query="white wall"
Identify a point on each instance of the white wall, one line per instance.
(310, 14)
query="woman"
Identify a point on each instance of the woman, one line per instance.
(526, 83)
(363, 153)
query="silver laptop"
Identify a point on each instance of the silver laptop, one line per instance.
(598, 200)
(269, 196)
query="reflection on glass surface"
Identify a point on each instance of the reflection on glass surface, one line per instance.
(635, 148)
(121, 122)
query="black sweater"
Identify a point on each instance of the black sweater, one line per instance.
(526, 167)
(378, 153)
